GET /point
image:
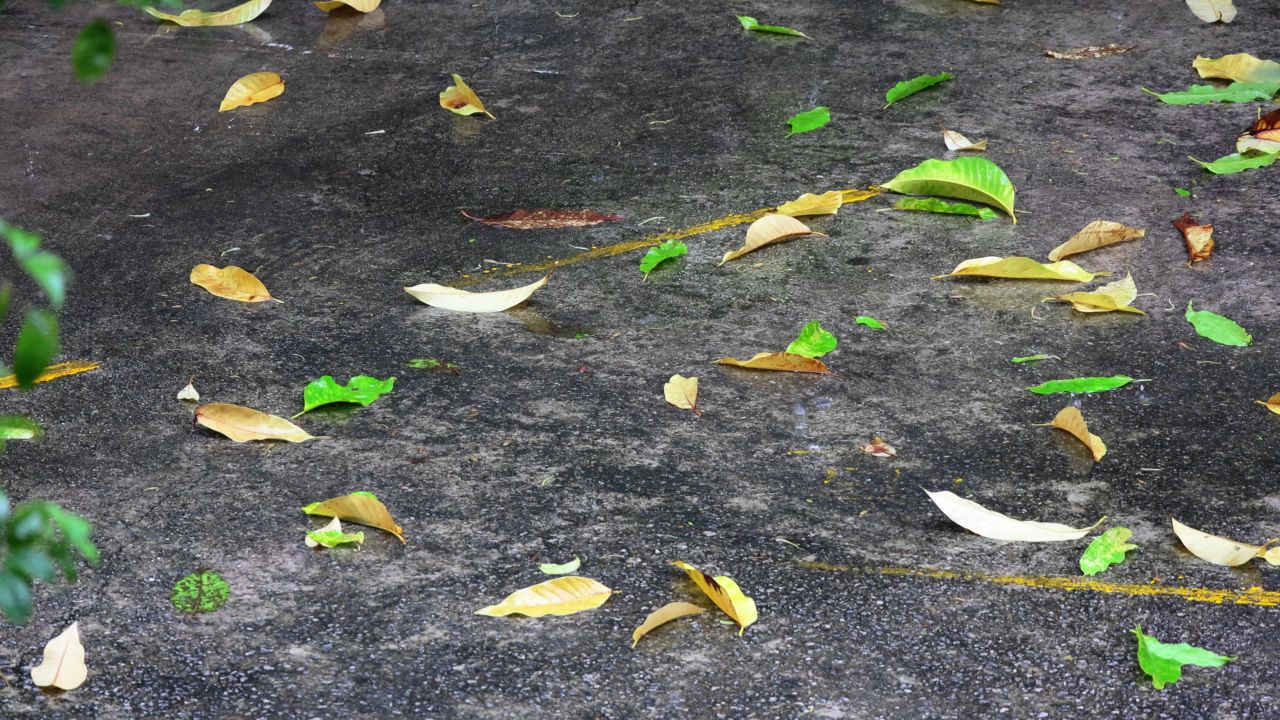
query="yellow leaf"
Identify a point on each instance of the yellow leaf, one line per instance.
(1110, 297)
(363, 6)
(250, 89)
(683, 393)
(1272, 403)
(1216, 549)
(809, 204)
(662, 616)
(449, 298)
(769, 229)
(359, 507)
(724, 592)
(783, 361)
(557, 596)
(461, 99)
(200, 18)
(230, 282)
(63, 666)
(1021, 268)
(53, 372)
(956, 141)
(1070, 420)
(243, 424)
(1213, 10)
(1241, 67)
(1095, 235)
(1272, 555)
(990, 524)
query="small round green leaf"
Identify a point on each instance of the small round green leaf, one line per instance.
(200, 592)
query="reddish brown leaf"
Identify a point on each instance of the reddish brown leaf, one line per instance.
(1199, 238)
(545, 218)
(1262, 136)
(1089, 53)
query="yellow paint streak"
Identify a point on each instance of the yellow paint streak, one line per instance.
(53, 372)
(1218, 596)
(852, 195)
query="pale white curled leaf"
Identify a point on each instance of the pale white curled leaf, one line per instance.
(457, 300)
(1213, 10)
(1215, 548)
(189, 392)
(63, 665)
(958, 142)
(990, 524)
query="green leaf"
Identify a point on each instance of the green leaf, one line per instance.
(1182, 191)
(913, 86)
(334, 538)
(47, 269)
(1081, 385)
(1217, 328)
(966, 178)
(809, 120)
(656, 255)
(1235, 162)
(37, 344)
(870, 322)
(562, 569)
(814, 342)
(1033, 358)
(200, 592)
(75, 529)
(750, 23)
(1106, 550)
(935, 205)
(1204, 94)
(30, 563)
(432, 364)
(1163, 662)
(92, 53)
(6, 291)
(361, 390)
(15, 597)
(17, 427)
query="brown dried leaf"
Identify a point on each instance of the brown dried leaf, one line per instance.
(543, 218)
(230, 282)
(1070, 420)
(243, 424)
(1263, 136)
(783, 361)
(767, 230)
(1089, 53)
(878, 448)
(1096, 234)
(1199, 238)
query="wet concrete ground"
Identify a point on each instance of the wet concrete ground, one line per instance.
(553, 440)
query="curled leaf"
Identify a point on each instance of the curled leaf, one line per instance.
(1096, 234)
(1261, 137)
(990, 524)
(668, 250)
(662, 616)
(231, 282)
(462, 301)
(750, 23)
(771, 228)
(1110, 297)
(967, 178)
(358, 507)
(813, 341)
(1106, 550)
(935, 205)
(189, 393)
(1217, 328)
(879, 448)
(361, 390)
(63, 665)
(545, 218)
(1215, 548)
(1240, 67)
(783, 361)
(870, 322)
(808, 120)
(955, 141)
(1081, 385)
(1272, 403)
(828, 203)
(561, 569)
(461, 99)
(913, 86)
(202, 591)
(1033, 358)
(1070, 420)
(1213, 10)
(557, 596)
(1021, 268)
(1163, 662)
(364, 6)
(243, 424)
(682, 392)
(251, 89)
(331, 535)
(724, 592)
(1199, 238)
(242, 13)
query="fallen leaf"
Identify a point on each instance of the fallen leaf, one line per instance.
(359, 507)
(461, 99)
(767, 230)
(462, 301)
(231, 282)
(52, 372)
(955, 141)
(1213, 10)
(1272, 403)
(17, 427)
(251, 89)
(1111, 297)
(682, 392)
(1096, 234)
(331, 535)
(243, 424)
(561, 569)
(668, 250)
(1215, 548)
(783, 361)
(966, 178)
(1091, 52)
(813, 341)
(242, 13)
(809, 204)
(1021, 268)
(1033, 358)
(879, 448)
(1217, 328)
(364, 6)
(1261, 137)
(557, 596)
(202, 591)
(1237, 162)
(63, 665)
(913, 86)
(1081, 385)
(750, 23)
(870, 322)
(545, 218)
(1182, 192)
(360, 389)
(1199, 238)
(189, 392)
(724, 592)
(1204, 94)
(662, 616)
(1163, 662)
(990, 524)
(1106, 550)
(1240, 67)
(808, 120)
(934, 205)
(1070, 420)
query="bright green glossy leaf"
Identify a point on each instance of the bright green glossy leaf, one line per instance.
(967, 178)
(809, 120)
(935, 205)
(656, 255)
(1081, 385)
(47, 269)
(37, 344)
(1106, 550)
(1217, 328)
(814, 342)
(1203, 94)
(15, 597)
(361, 390)
(92, 53)
(334, 538)
(200, 592)
(1163, 662)
(1182, 191)
(870, 322)
(17, 427)
(1033, 358)
(561, 569)
(913, 86)
(751, 23)
(1235, 162)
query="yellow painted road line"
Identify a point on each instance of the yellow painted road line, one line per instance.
(1218, 596)
(53, 372)
(851, 195)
